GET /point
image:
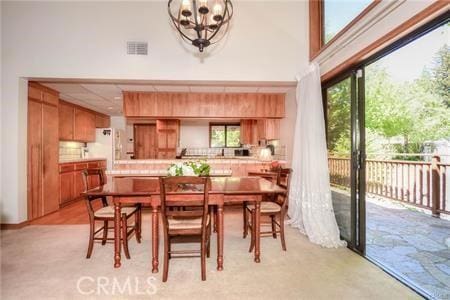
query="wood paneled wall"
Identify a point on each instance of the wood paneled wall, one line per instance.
(203, 105)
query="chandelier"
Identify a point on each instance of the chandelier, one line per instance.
(201, 22)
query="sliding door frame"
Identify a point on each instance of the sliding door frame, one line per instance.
(357, 219)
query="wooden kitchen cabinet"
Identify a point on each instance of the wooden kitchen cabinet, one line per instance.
(71, 179)
(78, 184)
(269, 129)
(249, 132)
(84, 125)
(78, 124)
(43, 151)
(66, 121)
(67, 188)
(102, 121)
(203, 105)
(50, 142)
(34, 176)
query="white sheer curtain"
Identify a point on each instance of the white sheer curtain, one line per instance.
(310, 206)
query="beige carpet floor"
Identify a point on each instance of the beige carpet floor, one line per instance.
(48, 262)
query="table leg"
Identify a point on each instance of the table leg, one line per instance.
(220, 237)
(257, 230)
(155, 240)
(116, 235)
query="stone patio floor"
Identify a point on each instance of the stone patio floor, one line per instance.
(404, 240)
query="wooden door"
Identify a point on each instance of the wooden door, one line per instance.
(168, 136)
(145, 143)
(50, 158)
(34, 178)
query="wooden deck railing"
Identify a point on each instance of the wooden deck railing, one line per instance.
(419, 183)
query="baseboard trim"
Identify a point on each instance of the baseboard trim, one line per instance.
(14, 226)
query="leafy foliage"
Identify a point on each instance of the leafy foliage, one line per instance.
(231, 132)
(406, 116)
(189, 168)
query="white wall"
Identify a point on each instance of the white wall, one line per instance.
(194, 134)
(87, 40)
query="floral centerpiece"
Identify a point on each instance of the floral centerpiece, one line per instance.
(189, 168)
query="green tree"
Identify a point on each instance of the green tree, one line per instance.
(338, 118)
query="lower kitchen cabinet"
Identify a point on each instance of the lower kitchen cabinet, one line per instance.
(67, 189)
(71, 179)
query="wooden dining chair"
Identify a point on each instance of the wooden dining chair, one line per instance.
(192, 220)
(275, 209)
(105, 214)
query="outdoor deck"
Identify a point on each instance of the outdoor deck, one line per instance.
(408, 242)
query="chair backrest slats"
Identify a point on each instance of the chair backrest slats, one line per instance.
(284, 180)
(88, 173)
(184, 192)
(102, 180)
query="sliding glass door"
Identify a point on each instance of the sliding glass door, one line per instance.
(388, 138)
(344, 152)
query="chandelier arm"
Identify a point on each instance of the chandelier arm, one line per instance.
(194, 5)
(205, 21)
(225, 12)
(176, 24)
(222, 36)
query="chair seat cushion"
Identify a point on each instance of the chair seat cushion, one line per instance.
(186, 223)
(266, 207)
(108, 211)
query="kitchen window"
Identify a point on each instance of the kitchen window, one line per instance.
(224, 135)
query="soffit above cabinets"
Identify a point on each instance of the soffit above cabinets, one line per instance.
(107, 97)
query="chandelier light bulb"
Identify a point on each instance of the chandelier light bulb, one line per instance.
(186, 8)
(212, 23)
(217, 12)
(185, 22)
(203, 9)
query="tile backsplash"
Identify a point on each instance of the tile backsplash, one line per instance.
(70, 150)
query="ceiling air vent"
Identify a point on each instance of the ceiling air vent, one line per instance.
(137, 48)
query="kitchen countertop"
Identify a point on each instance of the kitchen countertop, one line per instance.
(162, 172)
(243, 159)
(65, 161)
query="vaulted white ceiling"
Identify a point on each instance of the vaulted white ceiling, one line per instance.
(107, 97)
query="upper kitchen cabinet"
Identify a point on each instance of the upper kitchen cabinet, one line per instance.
(84, 125)
(249, 132)
(78, 124)
(268, 129)
(102, 121)
(203, 105)
(66, 118)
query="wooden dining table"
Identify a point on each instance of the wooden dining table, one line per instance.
(145, 190)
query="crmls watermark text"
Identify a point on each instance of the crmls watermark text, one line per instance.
(102, 285)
